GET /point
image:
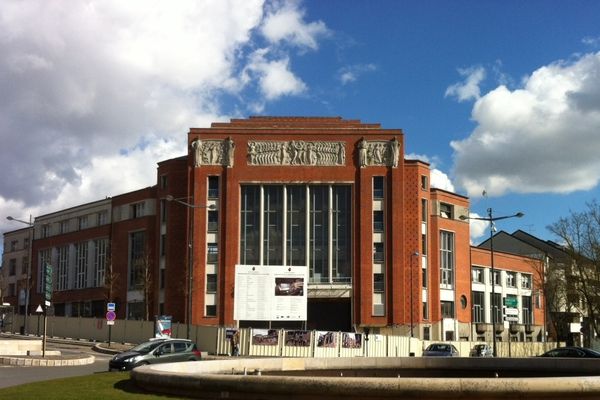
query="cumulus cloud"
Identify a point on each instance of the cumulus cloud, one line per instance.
(468, 89)
(90, 88)
(477, 227)
(539, 137)
(437, 178)
(352, 72)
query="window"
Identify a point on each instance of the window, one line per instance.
(163, 211)
(163, 245)
(424, 244)
(137, 245)
(378, 283)
(12, 289)
(426, 333)
(296, 225)
(425, 310)
(478, 302)
(447, 309)
(26, 243)
(163, 181)
(63, 226)
(446, 210)
(100, 247)
(211, 310)
(424, 184)
(250, 225)
(495, 278)
(82, 222)
(46, 230)
(13, 245)
(447, 258)
(477, 275)
(525, 281)
(137, 210)
(212, 256)
(24, 265)
(213, 187)
(63, 268)
(526, 310)
(161, 282)
(213, 220)
(496, 301)
(378, 187)
(463, 301)
(424, 210)
(102, 218)
(424, 277)
(12, 266)
(211, 283)
(378, 253)
(511, 279)
(378, 221)
(81, 255)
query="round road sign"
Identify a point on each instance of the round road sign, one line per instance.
(111, 316)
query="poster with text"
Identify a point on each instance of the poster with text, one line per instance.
(270, 293)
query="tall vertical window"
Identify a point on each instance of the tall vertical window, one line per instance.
(378, 221)
(527, 310)
(478, 301)
(378, 253)
(102, 218)
(213, 221)
(447, 258)
(447, 309)
(378, 283)
(63, 226)
(213, 187)
(341, 233)
(137, 210)
(100, 246)
(163, 211)
(163, 181)
(250, 225)
(496, 301)
(46, 230)
(425, 310)
(82, 222)
(137, 243)
(62, 273)
(81, 257)
(12, 266)
(296, 225)
(319, 233)
(273, 225)
(446, 210)
(378, 187)
(477, 275)
(212, 255)
(511, 279)
(424, 184)
(525, 281)
(211, 283)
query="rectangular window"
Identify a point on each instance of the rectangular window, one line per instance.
(62, 273)
(424, 244)
(319, 233)
(447, 258)
(478, 311)
(82, 222)
(137, 245)
(526, 310)
(424, 210)
(425, 310)
(426, 333)
(378, 253)
(100, 247)
(424, 277)
(13, 245)
(424, 184)
(250, 225)
(296, 225)
(213, 221)
(212, 255)
(477, 275)
(12, 266)
(26, 243)
(81, 256)
(63, 226)
(447, 309)
(211, 283)
(163, 211)
(137, 210)
(496, 301)
(378, 283)
(378, 221)
(102, 218)
(446, 210)
(525, 281)
(341, 235)
(211, 310)
(378, 187)
(163, 181)
(46, 230)
(162, 279)
(163, 245)
(213, 187)
(511, 279)
(273, 225)
(495, 278)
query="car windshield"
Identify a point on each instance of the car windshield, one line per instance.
(147, 346)
(438, 347)
(593, 352)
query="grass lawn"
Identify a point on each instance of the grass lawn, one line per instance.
(104, 386)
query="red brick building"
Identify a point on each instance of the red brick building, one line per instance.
(383, 249)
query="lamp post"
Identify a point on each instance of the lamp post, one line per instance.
(190, 255)
(490, 219)
(28, 279)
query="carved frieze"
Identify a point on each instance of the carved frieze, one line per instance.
(378, 153)
(213, 152)
(296, 152)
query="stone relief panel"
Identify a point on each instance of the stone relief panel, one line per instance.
(296, 152)
(378, 153)
(213, 152)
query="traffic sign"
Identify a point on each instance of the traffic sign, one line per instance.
(111, 307)
(511, 302)
(512, 318)
(48, 283)
(110, 322)
(111, 316)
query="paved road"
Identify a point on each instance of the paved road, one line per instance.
(12, 376)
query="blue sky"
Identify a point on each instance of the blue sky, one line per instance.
(497, 95)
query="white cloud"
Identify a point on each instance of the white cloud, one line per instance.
(591, 41)
(477, 228)
(469, 88)
(284, 23)
(540, 137)
(275, 78)
(438, 178)
(353, 72)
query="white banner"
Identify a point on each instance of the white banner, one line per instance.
(270, 293)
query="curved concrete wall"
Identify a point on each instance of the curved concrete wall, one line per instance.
(226, 379)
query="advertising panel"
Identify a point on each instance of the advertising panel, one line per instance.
(270, 293)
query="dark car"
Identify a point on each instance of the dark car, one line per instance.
(572, 352)
(154, 352)
(441, 350)
(481, 350)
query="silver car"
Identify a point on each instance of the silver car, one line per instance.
(481, 350)
(441, 350)
(155, 351)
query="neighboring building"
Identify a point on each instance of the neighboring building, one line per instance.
(383, 249)
(15, 266)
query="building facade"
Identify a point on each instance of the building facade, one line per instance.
(381, 248)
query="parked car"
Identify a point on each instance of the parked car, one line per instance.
(572, 352)
(441, 350)
(154, 352)
(481, 350)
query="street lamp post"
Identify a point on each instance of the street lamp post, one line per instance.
(490, 219)
(28, 279)
(191, 206)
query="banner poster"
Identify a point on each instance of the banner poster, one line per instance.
(351, 340)
(297, 338)
(265, 337)
(326, 339)
(162, 327)
(229, 332)
(270, 293)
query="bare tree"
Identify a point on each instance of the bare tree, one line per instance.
(111, 280)
(580, 234)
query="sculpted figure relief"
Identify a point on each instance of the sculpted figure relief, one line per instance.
(296, 152)
(378, 153)
(213, 152)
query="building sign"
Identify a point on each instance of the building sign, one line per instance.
(270, 293)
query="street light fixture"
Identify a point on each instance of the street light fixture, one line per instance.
(28, 279)
(190, 255)
(490, 219)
